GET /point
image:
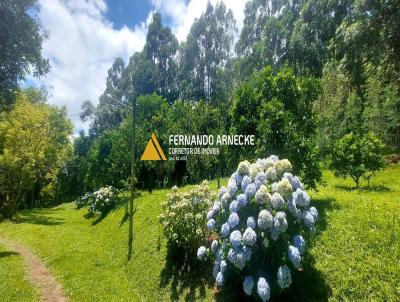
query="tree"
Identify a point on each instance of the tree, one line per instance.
(34, 142)
(21, 40)
(206, 51)
(277, 109)
(357, 157)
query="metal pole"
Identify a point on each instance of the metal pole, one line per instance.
(130, 239)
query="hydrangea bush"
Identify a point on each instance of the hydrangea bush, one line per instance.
(103, 200)
(83, 200)
(184, 217)
(259, 220)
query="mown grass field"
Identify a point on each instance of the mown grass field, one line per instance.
(355, 255)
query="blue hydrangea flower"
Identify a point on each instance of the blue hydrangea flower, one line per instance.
(314, 213)
(211, 224)
(201, 252)
(251, 222)
(274, 234)
(273, 158)
(233, 207)
(265, 220)
(284, 277)
(225, 230)
(222, 191)
(240, 260)
(277, 201)
(247, 252)
(214, 246)
(294, 256)
(280, 222)
(233, 220)
(299, 242)
(216, 207)
(237, 177)
(248, 285)
(235, 238)
(223, 266)
(301, 198)
(216, 269)
(263, 289)
(210, 214)
(261, 177)
(296, 183)
(232, 188)
(250, 191)
(225, 199)
(241, 199)
(231, 255)
(220, 279)
(249, 237)
(308, 219)
(219, 255)
(245, 182)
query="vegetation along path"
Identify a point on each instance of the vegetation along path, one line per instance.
(38, 273)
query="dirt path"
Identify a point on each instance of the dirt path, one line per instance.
(39, 275)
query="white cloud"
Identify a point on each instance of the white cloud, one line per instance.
(81, 47)
(183, 14)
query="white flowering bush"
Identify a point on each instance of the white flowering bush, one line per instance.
(103, 200)
(184, 217)
(260, 220)
(83, 200)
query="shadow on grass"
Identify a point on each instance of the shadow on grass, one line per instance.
(8, 254)
(185, 275)
(37, 216)
(370, 188)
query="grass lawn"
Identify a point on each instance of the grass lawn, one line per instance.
(355, 254)
(13, 283)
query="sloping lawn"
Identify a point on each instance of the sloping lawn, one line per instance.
(13, 283)
(355, 254)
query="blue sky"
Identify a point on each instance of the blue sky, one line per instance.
(128, 12)
(85, 36)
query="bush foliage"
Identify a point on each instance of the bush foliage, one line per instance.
(260, 220)
(358, 156)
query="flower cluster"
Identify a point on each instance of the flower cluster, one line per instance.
(83, 200)
(184, 217)
(103, 200)
(258, 220)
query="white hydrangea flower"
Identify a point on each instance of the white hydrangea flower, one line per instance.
(265, 220)
(277, 201)
(282, 166)
(271, 174)
(263, 289)
(263, 197)
(223, 266)
(285, 187)
(244, 167)
(314, 213)
(254, 170)
(201, 252)
(220, 279)
(284, 277)
(249, 237)
(248, 284)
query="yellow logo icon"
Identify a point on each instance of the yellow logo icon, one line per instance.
(153, 150)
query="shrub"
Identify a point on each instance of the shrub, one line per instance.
(358, 157)
(185, 215)
(259, 223)
(103, 200)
